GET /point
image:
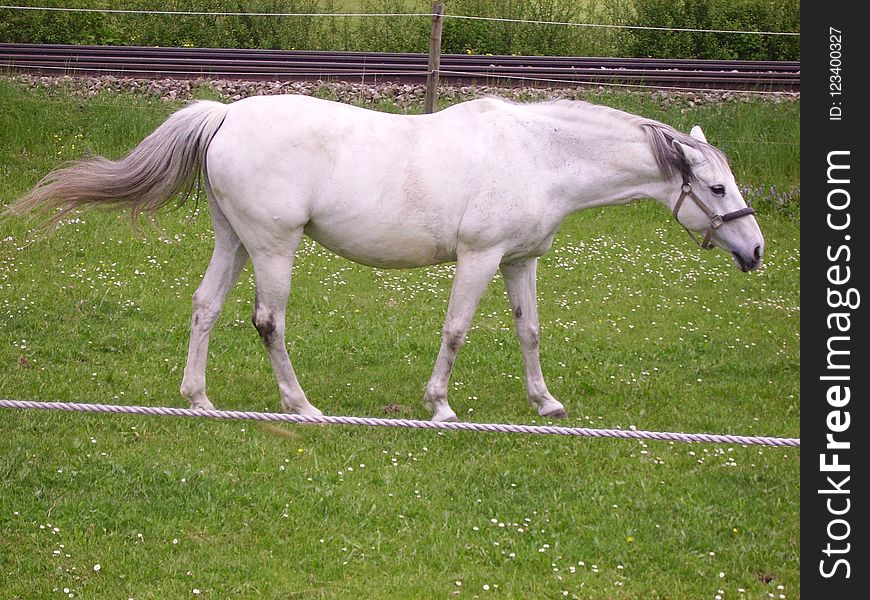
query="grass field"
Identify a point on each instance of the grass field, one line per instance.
(640, 328)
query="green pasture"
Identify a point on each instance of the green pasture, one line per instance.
(640, 329)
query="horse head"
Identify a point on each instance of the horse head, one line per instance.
(710, 203)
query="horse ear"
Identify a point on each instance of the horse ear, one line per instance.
(691, 155)
(698, 134)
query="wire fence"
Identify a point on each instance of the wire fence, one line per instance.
(191, 13)
(202, 13)
(524, 27)
(609, 84)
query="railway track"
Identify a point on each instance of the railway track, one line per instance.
(372, 67)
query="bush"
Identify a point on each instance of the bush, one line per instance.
(487, 37)
(740, 15)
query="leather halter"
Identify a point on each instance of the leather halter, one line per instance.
(716, 219)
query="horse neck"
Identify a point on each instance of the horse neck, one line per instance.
(609, 160)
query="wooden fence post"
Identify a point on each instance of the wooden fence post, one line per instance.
(434, 56)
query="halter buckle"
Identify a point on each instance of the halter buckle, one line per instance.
(716, 221)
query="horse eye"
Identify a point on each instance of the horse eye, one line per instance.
(718, 190)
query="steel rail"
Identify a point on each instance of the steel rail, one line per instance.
(281, 65)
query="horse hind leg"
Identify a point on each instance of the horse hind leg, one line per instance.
(273, 273)
(227, 261)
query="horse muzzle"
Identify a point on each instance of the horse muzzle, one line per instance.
(747, 262)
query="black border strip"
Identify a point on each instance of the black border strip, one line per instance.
(834, 131)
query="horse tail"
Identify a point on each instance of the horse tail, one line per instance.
(165, 164)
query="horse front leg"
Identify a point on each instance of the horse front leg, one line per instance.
(519, 281)
(474, 271)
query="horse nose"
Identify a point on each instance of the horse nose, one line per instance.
(757, 252)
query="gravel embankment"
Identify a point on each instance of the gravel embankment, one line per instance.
(405, 96)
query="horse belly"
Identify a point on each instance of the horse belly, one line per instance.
(384, 213)
(387, 245)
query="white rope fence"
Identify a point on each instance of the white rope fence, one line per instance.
(402, 423)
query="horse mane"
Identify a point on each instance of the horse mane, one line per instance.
(671, 163)
(659, 136)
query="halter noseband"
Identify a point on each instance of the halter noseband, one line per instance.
(716, 219)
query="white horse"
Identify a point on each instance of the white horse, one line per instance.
(485, 183)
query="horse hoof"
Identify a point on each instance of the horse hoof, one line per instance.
(447, 417)
(309, 411)
(559, 413)
(202, 405)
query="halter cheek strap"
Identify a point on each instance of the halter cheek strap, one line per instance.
(716, 219)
